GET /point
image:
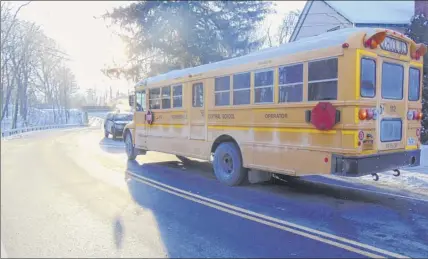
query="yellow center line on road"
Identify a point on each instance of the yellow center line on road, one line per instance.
(263, 219)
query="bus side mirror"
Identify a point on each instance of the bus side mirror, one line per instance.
(131, 99)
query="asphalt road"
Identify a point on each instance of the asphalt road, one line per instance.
(72, 193)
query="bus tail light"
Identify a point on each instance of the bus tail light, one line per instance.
(370, 114)
(367, 114)
(419, 116)
(414, 115)
(362, 114)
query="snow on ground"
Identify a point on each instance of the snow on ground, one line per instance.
(41, 117)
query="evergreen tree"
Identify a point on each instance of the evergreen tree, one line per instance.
(418, 31)
(166, 35)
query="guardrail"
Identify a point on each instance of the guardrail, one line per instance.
(7, 133)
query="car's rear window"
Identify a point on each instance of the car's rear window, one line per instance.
(123, 117)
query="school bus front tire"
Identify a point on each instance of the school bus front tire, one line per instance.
(227, 164)
(129, 146)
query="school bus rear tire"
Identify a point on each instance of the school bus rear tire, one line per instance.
(129, 146)
(227, 164)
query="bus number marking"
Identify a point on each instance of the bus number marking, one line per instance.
(276, 115)
(158, 117)
(392, 108)
(392, 145)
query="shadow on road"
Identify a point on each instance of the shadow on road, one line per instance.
(297, 186)
(114, 146)
(188, 229)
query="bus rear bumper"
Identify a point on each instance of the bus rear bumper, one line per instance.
(354, 166)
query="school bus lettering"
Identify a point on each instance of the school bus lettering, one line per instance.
(221, 116)
(296, 109)
(179, 116)
(276, 116)
(228, 116)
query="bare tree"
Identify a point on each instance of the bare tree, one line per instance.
(284, 31)
(33, 71)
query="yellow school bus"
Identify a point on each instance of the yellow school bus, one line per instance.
(346, 102)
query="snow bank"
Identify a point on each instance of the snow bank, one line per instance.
(42, 117)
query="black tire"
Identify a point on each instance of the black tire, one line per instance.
(183, 159)
(129, 147)
(113, 133)
(227, 164)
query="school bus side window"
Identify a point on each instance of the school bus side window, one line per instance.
(177, 96)
(290, 80)
(140, 101)
(368, 77)
(414, 84)
(166, 97)
(263, 86)
(241, 88)
(323, 80)
(198, 95)
(155, 98)
(222, 91)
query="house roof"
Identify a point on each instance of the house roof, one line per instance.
(324, 40)
(375, 12)
(365, 12)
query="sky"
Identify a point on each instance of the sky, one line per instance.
(89, 43)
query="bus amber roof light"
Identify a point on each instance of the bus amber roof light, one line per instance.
(418, 50)
(375, 39)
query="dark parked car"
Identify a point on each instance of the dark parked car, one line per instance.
(115, 122)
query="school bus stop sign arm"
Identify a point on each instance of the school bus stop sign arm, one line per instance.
(323, 116)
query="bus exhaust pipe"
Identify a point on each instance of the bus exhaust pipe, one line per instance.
(375, 177)
(397, 172)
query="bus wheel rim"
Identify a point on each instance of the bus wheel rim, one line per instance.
(227, 163)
